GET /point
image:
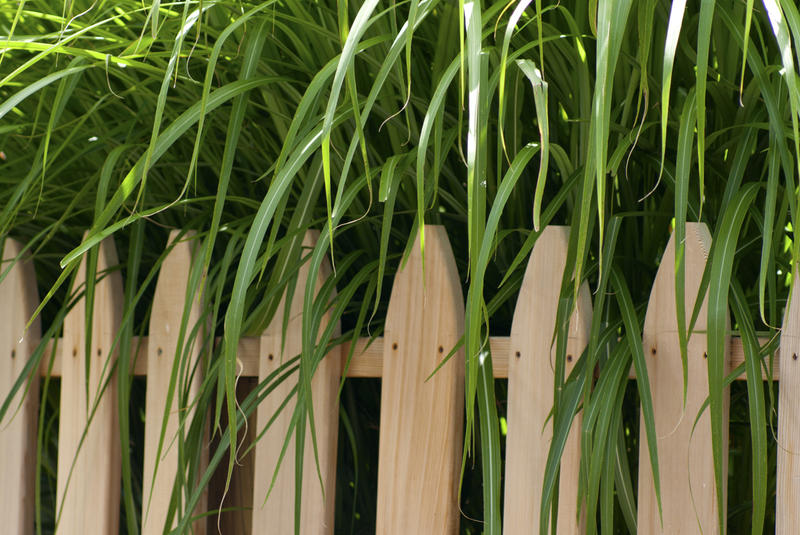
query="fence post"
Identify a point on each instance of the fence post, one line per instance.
(163, 352)
(787, 511)
(421, 418)
(89, 490)
(530, 390)
(316, 509)
(18, 428)
(688, 491)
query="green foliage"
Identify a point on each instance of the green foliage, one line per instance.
(242, 120)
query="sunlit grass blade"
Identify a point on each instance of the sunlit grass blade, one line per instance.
(477, 66)
(490, 446)
(673, 32)
(357, 29)
(682, 174)
(703, 44)
(540, 98)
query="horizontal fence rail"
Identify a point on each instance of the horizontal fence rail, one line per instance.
(367, 360)
(421, 433)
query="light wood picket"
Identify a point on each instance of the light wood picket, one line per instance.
(164, 350)
(421, 419)
(421, 439)
(530, 390)
(317, 504)
(685, 460)
(89, 464)
(17, 436)
(787, 512)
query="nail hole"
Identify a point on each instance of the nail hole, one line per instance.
(74, 352)
(160, 351)
(794, 356)
(271, 356)
(517, 354)
(99, 351)
(394, 345)
(13, 353)
(569, 358)
(705, 355)
(441, 349)
(652, 350)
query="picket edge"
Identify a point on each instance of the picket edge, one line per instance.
(18, 430)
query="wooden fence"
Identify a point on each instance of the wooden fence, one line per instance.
(421, 422)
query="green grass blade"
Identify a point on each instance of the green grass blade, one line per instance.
(540, 99)
(720, 274)
(682, 173)
(634, 337)
(490, 446)
(703, 44)
(755, 396)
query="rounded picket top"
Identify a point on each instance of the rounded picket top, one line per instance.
(531, 380)
(317, 504)
(167, 347)
(686, 465)
(421, 417)
(661, 308)
(89, 468)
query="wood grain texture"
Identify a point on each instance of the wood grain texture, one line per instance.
(367, 359)
(92, 485)
(787, 511)
(168, 349)
(530, 390)
(18, 429)
(276, 515)
(421, 421)
(685, 459)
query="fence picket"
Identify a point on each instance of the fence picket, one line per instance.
(530, 390)
(787, 511)
(165, 323)
(421, 421)
(92, 486)
(316, 509)
(18, 429)
(421, 418)
(688, 491)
